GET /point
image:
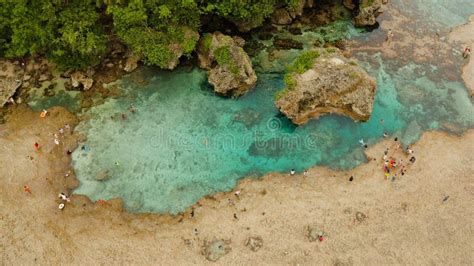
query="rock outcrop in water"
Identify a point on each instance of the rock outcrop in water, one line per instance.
(326, 82)
(230, 68)
(79, 78)
(367, 13)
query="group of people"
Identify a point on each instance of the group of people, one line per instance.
(392, 166)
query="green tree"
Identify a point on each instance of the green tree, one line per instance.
(80, 39)
(31, 25)
(157, 29)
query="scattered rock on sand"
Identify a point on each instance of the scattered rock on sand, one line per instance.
(332, 84)
(230, 68)
(360, 216)
(215, 249)
(254, 243)
(313, 233)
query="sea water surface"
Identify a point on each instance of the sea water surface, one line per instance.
(184, 142)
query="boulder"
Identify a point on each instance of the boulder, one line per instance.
(333, 84)
(131, 63)
(230, 68)
(11, 78)
(239, 40)
(254, 243)
(8, 87)
(368, 12)
(79, 78)
(281, 17)
(215, 249)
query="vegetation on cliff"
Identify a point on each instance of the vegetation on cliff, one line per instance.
(75, 33)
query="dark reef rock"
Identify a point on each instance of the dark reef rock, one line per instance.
(286, 44)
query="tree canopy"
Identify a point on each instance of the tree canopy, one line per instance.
(74, 33)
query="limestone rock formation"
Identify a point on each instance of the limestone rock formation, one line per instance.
(11, 77)
(331, 84)
(79, 78)
(230, 68)
(131, 63)
(368, 12)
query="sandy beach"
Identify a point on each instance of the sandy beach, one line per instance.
(423, 217)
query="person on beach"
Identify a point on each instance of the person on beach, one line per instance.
(11, 100)
(292, 172)
(237, 193)
(37, 146)
(61, 206)
(27, 189)
(43, 113)
(56, 141)
(409, 151)
(412, 159)
(362, 143)
(351, 178)
(63, 197)
(467, 52)
(305, 173)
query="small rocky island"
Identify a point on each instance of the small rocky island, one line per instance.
(323, 81)
(230, 68)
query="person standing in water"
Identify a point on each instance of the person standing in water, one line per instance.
(467, 52)
(389, 36)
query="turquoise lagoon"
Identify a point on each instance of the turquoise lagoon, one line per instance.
(185, 142)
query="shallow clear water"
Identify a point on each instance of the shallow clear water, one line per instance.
(184, 142)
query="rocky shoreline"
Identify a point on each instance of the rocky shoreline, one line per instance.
(31, 73)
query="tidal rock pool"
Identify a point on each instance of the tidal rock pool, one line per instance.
(182, 142)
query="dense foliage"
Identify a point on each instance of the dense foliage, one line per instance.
(74, 33)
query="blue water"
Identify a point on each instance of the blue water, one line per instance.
(185, 142)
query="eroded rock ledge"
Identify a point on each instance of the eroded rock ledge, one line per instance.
(230, 68)
(323, 81)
